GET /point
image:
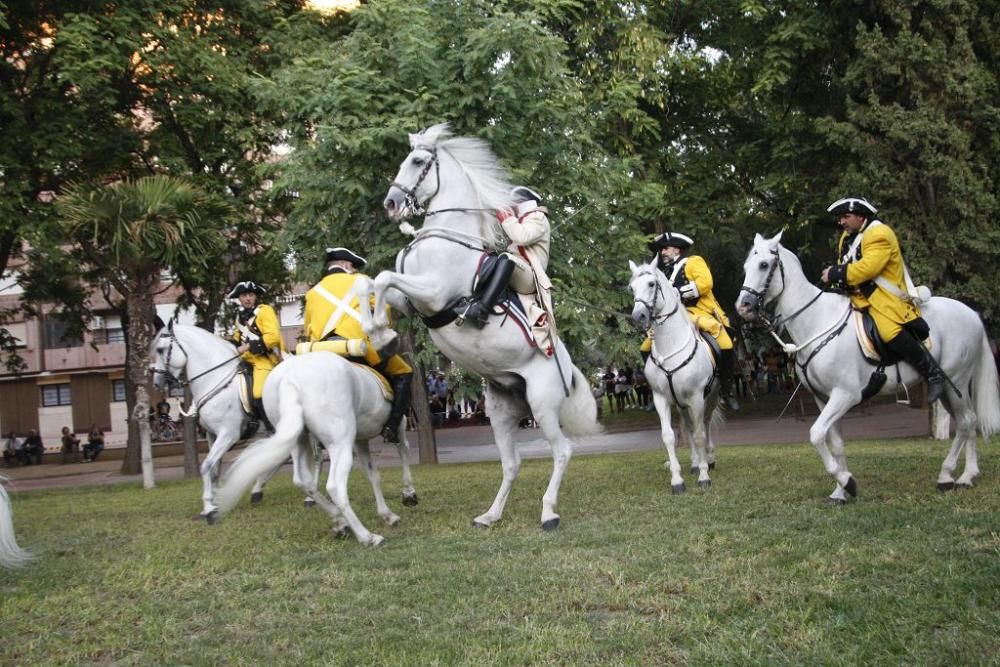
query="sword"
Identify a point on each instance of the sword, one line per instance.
(790, 399)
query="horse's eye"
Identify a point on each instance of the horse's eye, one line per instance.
(652, 283)
(417, 161)
(763, 265)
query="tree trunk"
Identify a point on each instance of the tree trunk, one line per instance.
(421, 406)
(190, 439)
(140, 332)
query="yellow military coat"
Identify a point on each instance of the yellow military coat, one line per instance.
(706, 312)
(877, 255)
(323, 317)
(263, 325)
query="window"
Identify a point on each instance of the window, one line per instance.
(57, 336)
(56, 394)
(118, 391)
(18, 332)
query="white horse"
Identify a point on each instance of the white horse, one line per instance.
(11, 555)
(830, 363)
(210, 365)
(464, 186)
(679, 371)
(342, 405)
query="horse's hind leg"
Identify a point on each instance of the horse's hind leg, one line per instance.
(504, 418)
(669, 442)
(562, 451)
(340, 468)
(375, 480)
(965, 436)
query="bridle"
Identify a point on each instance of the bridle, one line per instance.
(411, 200)
(651, 305)
(759, 295)
(172, 379)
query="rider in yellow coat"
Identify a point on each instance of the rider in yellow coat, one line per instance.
(871, 270)
(332, 311)
(257, 335)
(693, 279)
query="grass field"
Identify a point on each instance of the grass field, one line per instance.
(755, 570)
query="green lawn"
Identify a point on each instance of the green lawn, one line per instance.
(754, 571)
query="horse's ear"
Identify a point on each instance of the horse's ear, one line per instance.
(632, 267)
(777, 238)
(757, 238)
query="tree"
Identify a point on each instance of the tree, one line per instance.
(127, 234)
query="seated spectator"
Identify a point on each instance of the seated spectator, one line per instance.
(70, 445)
(13, 450)
(437, 408)
(33, 447)
(95, 444)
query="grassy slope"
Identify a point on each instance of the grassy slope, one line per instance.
(754, 571)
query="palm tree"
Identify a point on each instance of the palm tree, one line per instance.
(125, 234)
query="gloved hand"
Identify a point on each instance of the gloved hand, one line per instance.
(689, 292)
(257, 347)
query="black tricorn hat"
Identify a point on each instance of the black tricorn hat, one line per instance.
(855, 205)
(244, 287)
(670, 239)
(343, 254)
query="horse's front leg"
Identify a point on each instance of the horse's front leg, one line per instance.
(219, 444)
(423, 290)
(838, 405)
(669, 442)
(409, 491)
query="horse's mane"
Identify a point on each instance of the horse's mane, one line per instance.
(204, 339)
(490, 181)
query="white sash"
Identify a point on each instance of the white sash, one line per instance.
(341, 308)
(913, 294)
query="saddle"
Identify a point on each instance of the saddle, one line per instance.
(715, 355)
(878, 354)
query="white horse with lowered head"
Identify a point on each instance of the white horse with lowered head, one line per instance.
(210, 366)
(342, 405)
(11, 555)
(679, 371)
(463, 186)
(830, 363)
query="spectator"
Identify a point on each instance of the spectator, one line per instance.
(95, 444)
(163, 408)
(622, 389)
(609, 387)
(70, 445)
(437, 408)
(13, 450)
(33, 447)
(642, 391)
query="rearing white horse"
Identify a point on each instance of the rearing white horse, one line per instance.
(830, 363)
(11, 555)
(679, 371)
(461, 182)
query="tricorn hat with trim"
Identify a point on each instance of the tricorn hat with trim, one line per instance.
(345, 255)
(855, 205)
(670, 239)
(244, 287)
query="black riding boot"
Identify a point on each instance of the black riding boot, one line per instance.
(400, 405)
(479, 310)
(727, 368)
(915, 354)
(258, 408)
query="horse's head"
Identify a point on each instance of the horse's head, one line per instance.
(167, 357)
(655, 299)
(419, 175)
(764, 277)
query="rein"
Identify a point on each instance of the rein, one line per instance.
(658, 361)
(411, 193)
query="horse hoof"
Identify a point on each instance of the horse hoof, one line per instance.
(550, 525)
(212, 518)
(946, 486)
(479, 526)
(711, 466)
(705, 483)
(835, 502)
(256, 497)
(309, 503)
(851, 487)
(410, 500)
(678, 489)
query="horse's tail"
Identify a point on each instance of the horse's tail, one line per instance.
(265, 455)
(986, 391)
(11, 555)
(578, 412)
